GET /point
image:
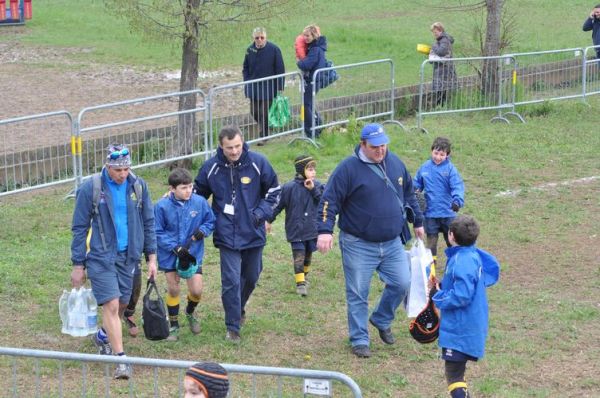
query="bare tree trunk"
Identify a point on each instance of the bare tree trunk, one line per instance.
(490, 73)
(187, 126)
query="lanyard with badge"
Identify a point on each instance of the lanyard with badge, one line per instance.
(229, 207)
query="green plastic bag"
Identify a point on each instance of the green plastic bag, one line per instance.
(279, 113)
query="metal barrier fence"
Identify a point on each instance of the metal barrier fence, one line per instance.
(155, 127)
(548, 75)
(467, 85)
(365, 90)
(36, 151)
(247, 105)
(591, 72)
(37, 373)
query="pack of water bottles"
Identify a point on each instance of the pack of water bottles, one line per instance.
(78, 312)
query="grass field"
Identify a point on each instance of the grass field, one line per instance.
(356, 30)
(544, 313)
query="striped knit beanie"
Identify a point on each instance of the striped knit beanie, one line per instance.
(210, 377)
(302, 162)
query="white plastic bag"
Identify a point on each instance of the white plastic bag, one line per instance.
(421, 262)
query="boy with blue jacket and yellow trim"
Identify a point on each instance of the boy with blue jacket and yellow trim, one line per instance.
(462, 301)
(444, 192)
(182, 219)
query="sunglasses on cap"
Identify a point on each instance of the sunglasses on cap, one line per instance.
(117, 154)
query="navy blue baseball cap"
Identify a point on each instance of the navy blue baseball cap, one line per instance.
(374, 134)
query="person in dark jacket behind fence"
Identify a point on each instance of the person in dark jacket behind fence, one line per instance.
(315, 59)
(593, 23)
(373, 194)
(300, 199)
(244, 191)
(444, 74)
(263, 59)
(122, 227)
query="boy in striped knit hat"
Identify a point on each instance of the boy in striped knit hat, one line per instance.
(300, 199)
(206, 380)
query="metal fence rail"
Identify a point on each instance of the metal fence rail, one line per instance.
(365, 90)
(37, 373)
(591, 72)
(467, 85)
(36, 151)
(154, 127)
(247, 103)
(548, 75)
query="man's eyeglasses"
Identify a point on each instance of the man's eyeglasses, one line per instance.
(117, 154)
(259, 37)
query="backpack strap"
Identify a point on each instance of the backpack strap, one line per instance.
(137, 189)
(96, 190)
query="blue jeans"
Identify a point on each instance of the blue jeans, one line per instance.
(240, 270)
(360, 259)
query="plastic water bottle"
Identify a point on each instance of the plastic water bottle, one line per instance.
(77, 313)
(63, 310)
(92, 312)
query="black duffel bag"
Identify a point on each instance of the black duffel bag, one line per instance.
(154, 314)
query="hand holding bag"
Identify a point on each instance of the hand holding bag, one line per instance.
(154, 314)
(421, 266)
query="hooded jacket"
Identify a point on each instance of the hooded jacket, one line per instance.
(462, 299)
(315, 58)
(368, 208)
(300, 206)
(593, 24)
(444, 74)
(251, 186)
(442, 185)
(176, 222)
(140, 223)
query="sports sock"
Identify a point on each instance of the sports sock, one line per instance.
(173, 310)
(191, 303)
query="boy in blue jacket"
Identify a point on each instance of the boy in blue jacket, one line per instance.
(444, 192)
(300, 199)
(462, 301)
(182, 219)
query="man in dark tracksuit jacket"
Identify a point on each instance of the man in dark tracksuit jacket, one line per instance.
(370, 191)
(593, 23)
(245, 191)
(263, 59)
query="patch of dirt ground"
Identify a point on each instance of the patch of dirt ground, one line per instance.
(37, 80)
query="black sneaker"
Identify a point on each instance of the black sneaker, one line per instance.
(361, 351)
(386, 334)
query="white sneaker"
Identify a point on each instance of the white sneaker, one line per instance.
(123, 371)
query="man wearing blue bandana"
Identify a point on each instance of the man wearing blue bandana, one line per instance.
(118, 218)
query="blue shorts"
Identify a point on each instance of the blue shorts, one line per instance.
(308, 246)
(111, 280)
(456, 356)
(434, 226)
